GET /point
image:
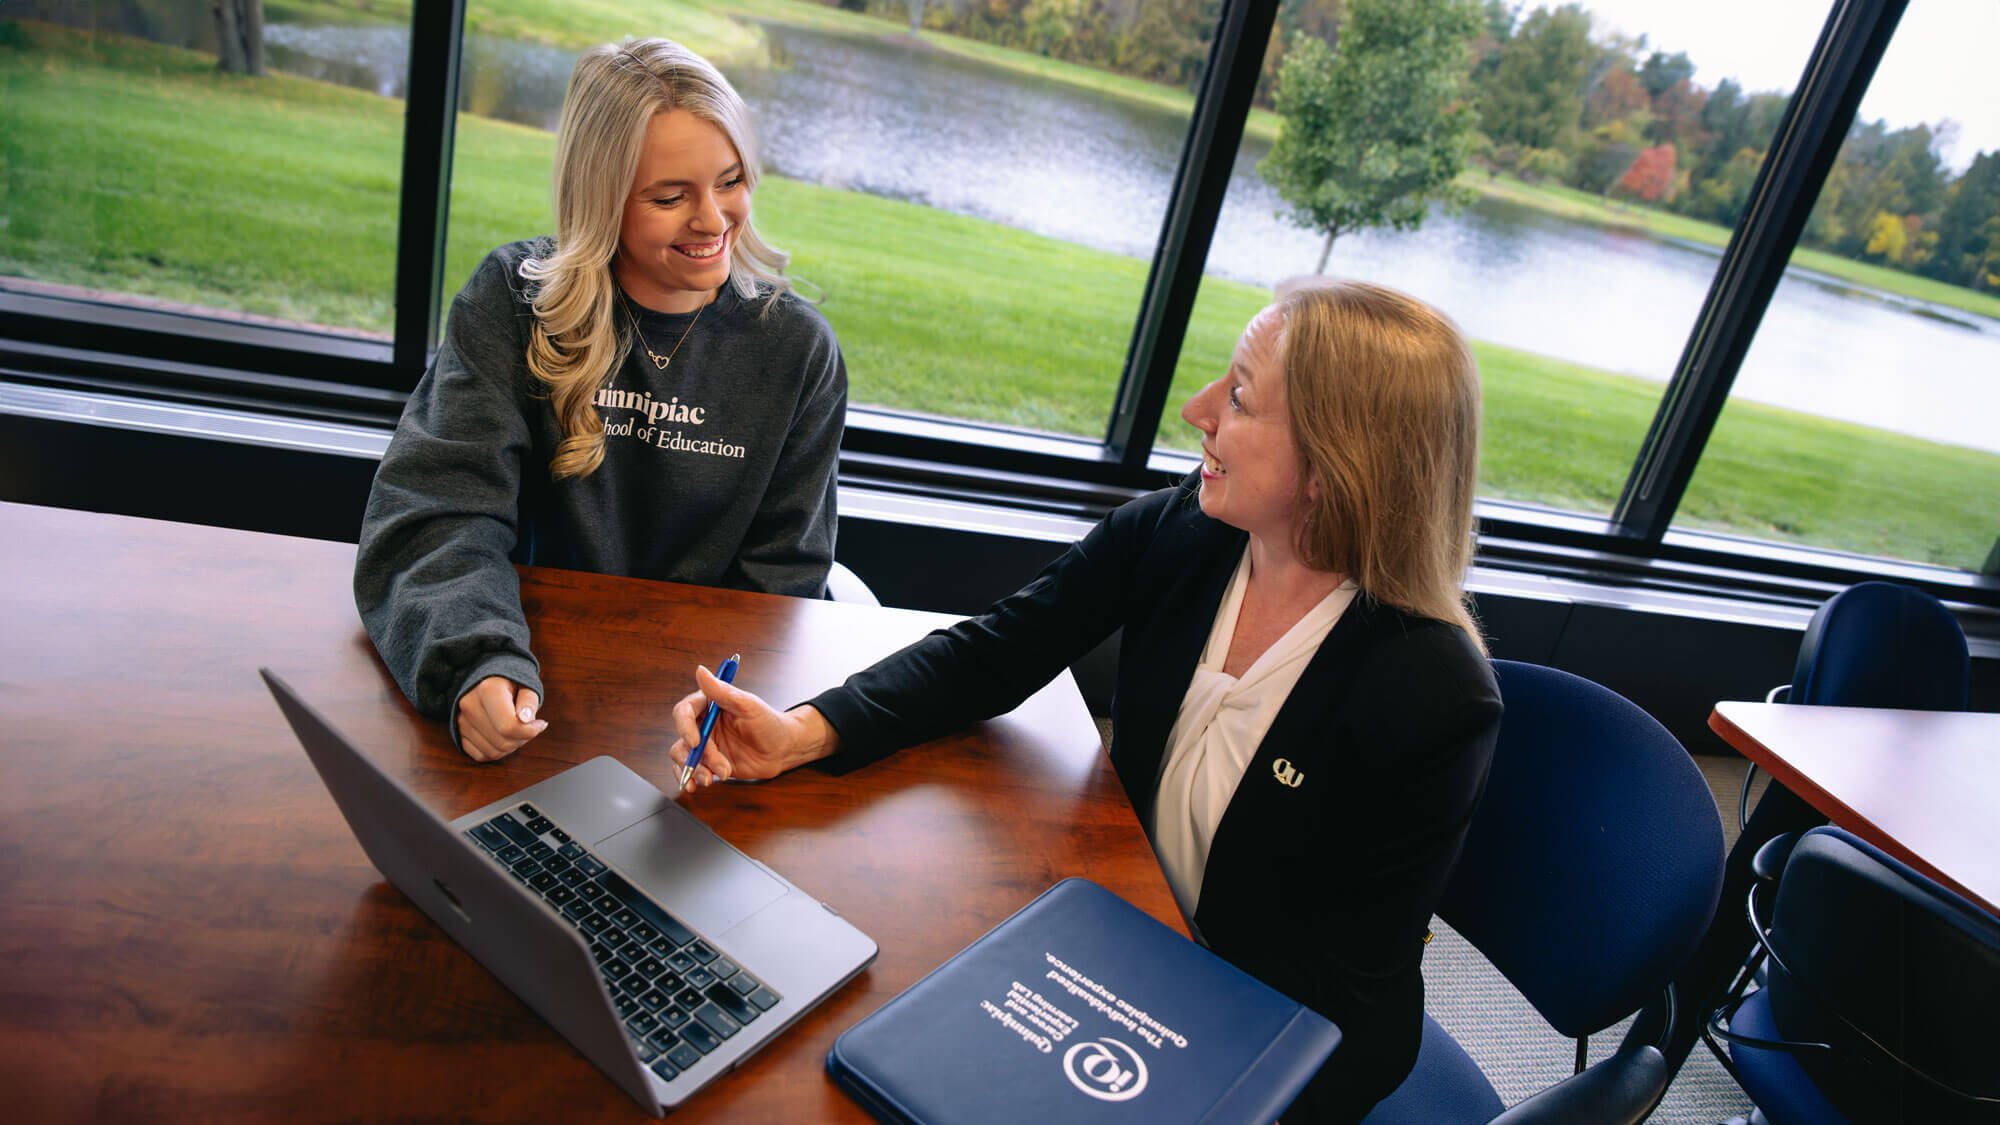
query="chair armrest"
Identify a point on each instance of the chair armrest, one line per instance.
(1769, 862)
(1621, 1090)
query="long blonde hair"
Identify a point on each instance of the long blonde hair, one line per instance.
(578, 341)
(1384, 399)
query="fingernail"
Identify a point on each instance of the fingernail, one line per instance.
(527, 714)
(540, 725)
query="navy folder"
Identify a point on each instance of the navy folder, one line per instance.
(1081, 1008)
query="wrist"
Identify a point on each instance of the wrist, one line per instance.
(818, 739)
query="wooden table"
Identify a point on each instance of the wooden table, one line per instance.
(188, 930)
(1923, 786)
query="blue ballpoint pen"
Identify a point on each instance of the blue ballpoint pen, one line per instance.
(727, 674)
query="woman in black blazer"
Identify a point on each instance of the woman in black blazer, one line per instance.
(1304, 714)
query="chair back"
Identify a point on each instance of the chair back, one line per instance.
(1593, 864)
(843, 585)
(1881, 644)
(1872, 950)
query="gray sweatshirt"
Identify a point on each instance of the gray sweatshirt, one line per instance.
(718, 470)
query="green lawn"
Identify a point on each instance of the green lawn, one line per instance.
(139, 169)
(1923, 501)
(704, 26)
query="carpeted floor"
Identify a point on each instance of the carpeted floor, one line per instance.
(1521, 1054)
(1518, 1051)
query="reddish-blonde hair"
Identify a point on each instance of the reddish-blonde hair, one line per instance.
(1384, 400)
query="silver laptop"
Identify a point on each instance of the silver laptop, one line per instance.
(662, 953)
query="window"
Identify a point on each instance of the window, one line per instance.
(142, 175)
(1605, 168)
(977, 233)
(1864, 417)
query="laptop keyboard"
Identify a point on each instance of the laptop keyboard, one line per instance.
(679, 995)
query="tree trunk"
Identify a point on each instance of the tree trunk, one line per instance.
(916, 15)
(1326, 251)
(239, 35)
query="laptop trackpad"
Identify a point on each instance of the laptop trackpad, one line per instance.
(686, 868)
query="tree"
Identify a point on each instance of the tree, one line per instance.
(1496, 26)
(1051, 26)
(1534, 97)
(1725, 116)
(1607, 156)
(1372, 133)
(1616, 96)
(1968, 230)
(1720, 197)
(1662, 72)
(239, 35)
(1317, 18)
(1879, 169)
(1677, 115)
(1162, 45)
(1651, 175)
(1887, 237)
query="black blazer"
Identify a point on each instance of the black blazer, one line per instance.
(1325, 868)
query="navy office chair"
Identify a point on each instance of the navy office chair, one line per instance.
(1883, 999)
(1876, 644)
(1591, 870)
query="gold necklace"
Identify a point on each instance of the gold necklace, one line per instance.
(661, 361)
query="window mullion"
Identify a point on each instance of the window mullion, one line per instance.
(430, 111)
(1809, 136)
(1222, 105)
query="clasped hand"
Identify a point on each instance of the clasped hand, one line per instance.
(751, 740)
(496, 718)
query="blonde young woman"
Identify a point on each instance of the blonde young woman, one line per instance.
(640, 394)
(1304, 715)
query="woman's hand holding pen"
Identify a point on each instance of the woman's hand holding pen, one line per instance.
(751, 740)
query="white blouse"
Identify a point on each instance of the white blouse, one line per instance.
(1222, 720)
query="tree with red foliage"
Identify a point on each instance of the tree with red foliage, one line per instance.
(1617, 95)
(1651, 175)
(1677, 116)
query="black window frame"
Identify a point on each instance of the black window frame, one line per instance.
(51, 339)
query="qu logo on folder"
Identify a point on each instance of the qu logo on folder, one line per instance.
(1287, 774)
(1098, 1071)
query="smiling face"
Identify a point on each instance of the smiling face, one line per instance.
(1250, 463)
(688, 201)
